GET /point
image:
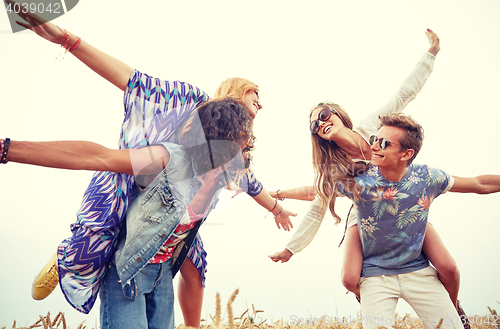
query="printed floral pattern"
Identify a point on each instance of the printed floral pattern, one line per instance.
(392, 216)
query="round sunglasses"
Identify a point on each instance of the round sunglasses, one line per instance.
(382, 142)
(323, 115)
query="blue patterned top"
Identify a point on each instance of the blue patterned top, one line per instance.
(392, 218)
(154, 111)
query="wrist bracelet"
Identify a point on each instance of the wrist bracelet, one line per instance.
(73, 47)
(275, 204)
(66, 46)
(278, 195)
(4, 147)
(279, 212)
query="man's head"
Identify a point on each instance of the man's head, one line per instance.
(216, 134)
(399, 140)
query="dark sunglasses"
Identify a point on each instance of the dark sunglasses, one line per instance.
(323, 115)
(382, 142)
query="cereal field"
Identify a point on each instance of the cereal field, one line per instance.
(250, 319)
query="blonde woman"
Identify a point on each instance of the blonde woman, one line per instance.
(155, 110)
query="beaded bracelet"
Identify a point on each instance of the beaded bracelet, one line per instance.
(4, 147)
(66, 34)
(72, 47)
(278, 195)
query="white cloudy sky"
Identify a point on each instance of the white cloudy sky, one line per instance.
(355, 53)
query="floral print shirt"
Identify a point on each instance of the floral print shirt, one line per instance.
(392, 218)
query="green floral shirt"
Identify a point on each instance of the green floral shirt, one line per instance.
(392, 218)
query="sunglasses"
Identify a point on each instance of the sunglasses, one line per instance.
(323, 115)
(382, 142)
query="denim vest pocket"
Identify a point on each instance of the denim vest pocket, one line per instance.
(158, 203)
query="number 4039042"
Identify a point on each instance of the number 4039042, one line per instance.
(40, 8)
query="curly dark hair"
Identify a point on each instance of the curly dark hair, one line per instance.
(216, 133)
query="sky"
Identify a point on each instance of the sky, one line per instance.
(355, 53)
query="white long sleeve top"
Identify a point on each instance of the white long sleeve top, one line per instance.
(406, 92)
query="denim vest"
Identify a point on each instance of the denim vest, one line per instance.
(154, 214)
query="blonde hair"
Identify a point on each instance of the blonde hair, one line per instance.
(235, 88)
(332, 165)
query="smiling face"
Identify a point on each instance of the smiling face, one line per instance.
(393, 156)
(251, 102)
(328, 128)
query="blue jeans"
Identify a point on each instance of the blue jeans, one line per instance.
(153, 308)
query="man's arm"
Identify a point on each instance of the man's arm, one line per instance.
(484, 184)
(81, 155)
(202, 198)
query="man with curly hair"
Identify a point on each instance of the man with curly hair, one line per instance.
(177, 187)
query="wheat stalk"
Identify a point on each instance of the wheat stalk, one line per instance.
(63, 320)
(56, 318)
(439, 324)
(218, 310)
(230, 316)
(44, 322)
(36, 324)
(241, 316)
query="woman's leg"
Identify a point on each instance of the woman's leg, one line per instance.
(440, 257)
(190, 294)
(352, 260)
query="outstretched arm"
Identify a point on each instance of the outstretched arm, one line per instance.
(407, 91)
(305, 193)
(81, 155)
(103, 64)
(281, 215)
(484, 184)
(306, 232)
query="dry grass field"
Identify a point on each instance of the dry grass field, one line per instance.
(250, 319)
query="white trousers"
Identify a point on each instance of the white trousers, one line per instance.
(421, 289)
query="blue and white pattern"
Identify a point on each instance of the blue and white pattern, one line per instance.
(154, 112)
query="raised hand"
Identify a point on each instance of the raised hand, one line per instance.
(433, 41)
(40, 26)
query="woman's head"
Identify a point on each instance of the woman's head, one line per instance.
(328, 118)
(242, 90)
(217, 132)
(332, 164)
(322, 141)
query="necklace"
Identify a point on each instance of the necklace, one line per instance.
(360, 148)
